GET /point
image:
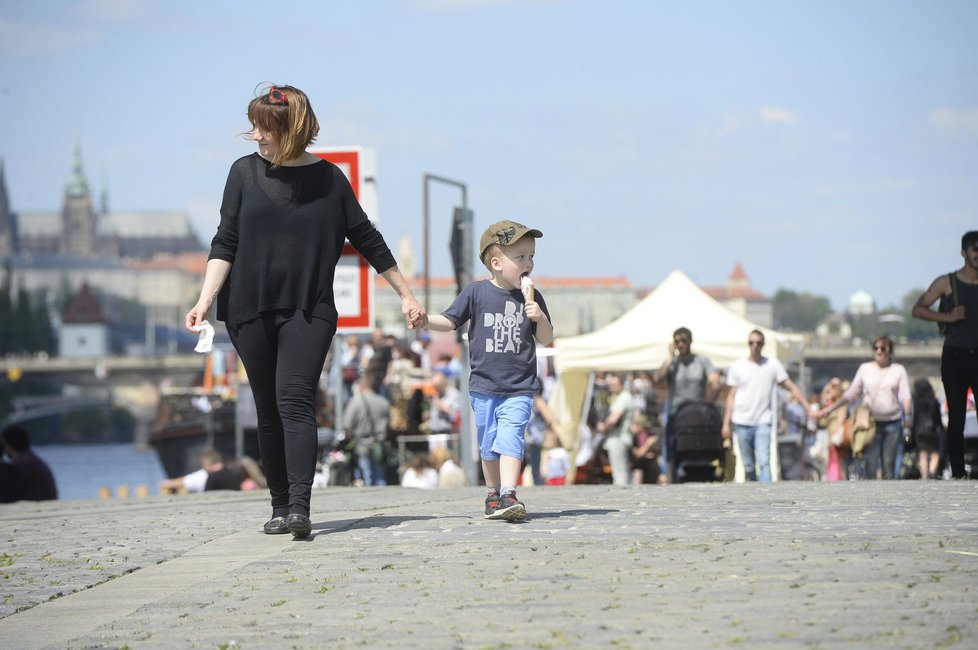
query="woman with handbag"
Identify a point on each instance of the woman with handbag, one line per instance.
(884, 390)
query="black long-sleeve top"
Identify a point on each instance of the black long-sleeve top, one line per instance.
(282, 229)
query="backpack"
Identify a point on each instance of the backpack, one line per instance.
(948, 303)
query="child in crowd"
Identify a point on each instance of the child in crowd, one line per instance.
(556, 460)
(502, 325)
(645, 451)
(419, 474)
(928, 429)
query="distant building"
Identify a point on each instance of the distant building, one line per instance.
(152, 257)
(741, 299)
(834, 329)
(84, 331)
(861, 304)
(577, 305)
(82, 230)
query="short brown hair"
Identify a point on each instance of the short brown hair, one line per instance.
(292, 121)
(886, 341)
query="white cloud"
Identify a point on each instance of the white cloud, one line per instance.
(955, 121)
(778, 115)
(20, 38)
(116, 11)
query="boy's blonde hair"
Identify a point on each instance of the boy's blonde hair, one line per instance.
(285, 111)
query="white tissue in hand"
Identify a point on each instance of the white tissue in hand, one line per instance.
(205, 343)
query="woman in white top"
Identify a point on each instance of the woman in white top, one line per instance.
(885, 387)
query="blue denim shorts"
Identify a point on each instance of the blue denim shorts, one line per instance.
(501, 423)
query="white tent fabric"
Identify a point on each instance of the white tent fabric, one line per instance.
(640, 338)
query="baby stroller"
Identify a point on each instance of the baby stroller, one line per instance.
(697, 443)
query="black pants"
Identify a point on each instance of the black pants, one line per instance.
(959, 371)
(283, 353)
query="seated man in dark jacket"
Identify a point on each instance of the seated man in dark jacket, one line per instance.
(36, 480)
(10, 484)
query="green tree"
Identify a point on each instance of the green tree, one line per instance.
(916, 329)
(6, 310)
(44, 337)
(799, 312)
(21, 338)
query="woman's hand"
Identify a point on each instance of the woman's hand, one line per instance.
(197, 314)
(414, 313)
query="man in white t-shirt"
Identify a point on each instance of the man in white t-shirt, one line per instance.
(752, 382)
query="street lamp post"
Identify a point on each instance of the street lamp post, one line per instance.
(426, 226)
(467, 446)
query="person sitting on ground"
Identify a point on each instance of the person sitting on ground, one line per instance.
(37, 481)
(450, 475)
(646, 445)
(10, 485)
(212, 475)
(419, 474)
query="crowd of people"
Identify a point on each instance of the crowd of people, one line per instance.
(281, 316)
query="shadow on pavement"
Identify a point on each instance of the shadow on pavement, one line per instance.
(570, 513)
(377, 521)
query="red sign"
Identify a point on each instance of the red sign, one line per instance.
(353, 287)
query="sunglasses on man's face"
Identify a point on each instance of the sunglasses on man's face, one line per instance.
(880, 348)
(973, 248)
(755, 343)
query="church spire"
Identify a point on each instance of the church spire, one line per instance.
(77, 185)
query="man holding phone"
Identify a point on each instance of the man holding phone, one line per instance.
(690, 377)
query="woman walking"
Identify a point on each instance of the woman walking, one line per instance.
(285, 216)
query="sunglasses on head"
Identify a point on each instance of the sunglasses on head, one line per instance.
(276, 96)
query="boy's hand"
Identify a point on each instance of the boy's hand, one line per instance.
(533, 311)
(414, 313)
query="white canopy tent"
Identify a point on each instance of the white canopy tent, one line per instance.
(640, 338)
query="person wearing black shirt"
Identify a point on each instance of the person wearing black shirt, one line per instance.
(11, 488)
(36, 479)
(284, 218)
(959, 358)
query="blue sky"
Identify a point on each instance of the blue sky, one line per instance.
(827, 146)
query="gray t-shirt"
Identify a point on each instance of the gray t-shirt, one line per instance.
(501, 346)
(687, 381)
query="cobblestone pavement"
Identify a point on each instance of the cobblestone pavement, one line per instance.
(807, 565)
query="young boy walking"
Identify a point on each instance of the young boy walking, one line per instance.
(503, 323)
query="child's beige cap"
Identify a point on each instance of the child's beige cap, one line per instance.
(505, 233)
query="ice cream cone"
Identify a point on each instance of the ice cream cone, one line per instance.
(526, 286)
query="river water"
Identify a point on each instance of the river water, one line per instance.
(82, 470)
